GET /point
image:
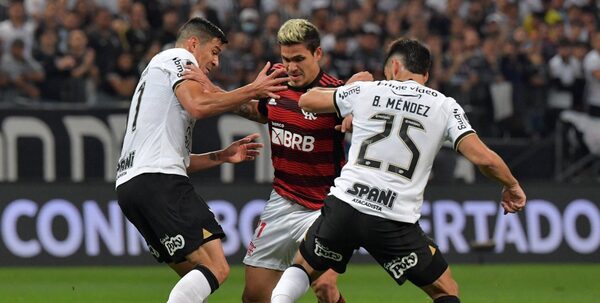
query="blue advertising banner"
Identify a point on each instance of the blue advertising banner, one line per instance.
(82, 224)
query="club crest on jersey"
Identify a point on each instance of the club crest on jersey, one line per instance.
(172, 244)
(398, 266)
(309, 116)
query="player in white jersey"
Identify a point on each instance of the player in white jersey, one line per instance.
(153, 187)
(399, 126)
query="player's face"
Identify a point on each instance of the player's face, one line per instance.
(301, 64)
(207, 54)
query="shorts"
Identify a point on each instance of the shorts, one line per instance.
(169, 214)
(281, 228)
(402, 249)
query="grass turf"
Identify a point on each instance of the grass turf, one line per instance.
(362, 283)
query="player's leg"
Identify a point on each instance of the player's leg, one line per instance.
(210, 272)
(328, 244)
(259, 282)
(406, 253)
(444, 289)
(295, 281)
(325, 288)
(272, 248)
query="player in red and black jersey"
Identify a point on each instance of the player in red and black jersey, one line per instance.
(307, 154)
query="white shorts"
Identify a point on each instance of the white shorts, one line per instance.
(281, 228)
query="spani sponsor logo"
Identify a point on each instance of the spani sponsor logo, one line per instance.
(173, 244)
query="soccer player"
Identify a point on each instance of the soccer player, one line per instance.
(307, 154)
(398, 128)
(153, 188)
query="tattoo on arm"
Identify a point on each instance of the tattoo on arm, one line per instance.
(250, 111)
(214, 156)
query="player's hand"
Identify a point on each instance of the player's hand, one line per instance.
(346, 126)
(194, 73)
(513, 199)
(360, 76)
(268, 85)
(242, 150)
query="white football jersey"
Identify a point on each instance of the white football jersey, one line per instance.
(159, 129)
(398, 128)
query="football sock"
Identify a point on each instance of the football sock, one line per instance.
(293, 284)
(447, 299)
(194, 287)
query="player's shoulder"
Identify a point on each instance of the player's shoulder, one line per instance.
(175, 55)
(328, 80)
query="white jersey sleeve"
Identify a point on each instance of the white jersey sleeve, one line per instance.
(343, 98)
(398, 128)
(158, 138)
(174, 64)
(458, 125)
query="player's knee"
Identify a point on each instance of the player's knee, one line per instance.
(221, 272)
(255, 295)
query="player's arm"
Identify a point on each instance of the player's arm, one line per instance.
(493, 167)
(242, 150)
(247, 110)
(250, 111)
(202, 103)
(318, 100)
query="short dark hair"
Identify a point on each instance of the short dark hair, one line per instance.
(414, 55)
(201, 28)
(299, 31)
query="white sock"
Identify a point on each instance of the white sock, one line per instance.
(192, 288)
(293, 284)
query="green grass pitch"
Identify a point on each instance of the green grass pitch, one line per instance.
(525, 283)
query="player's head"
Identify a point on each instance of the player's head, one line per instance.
(300, 42)
(407, 59)
(204, 40)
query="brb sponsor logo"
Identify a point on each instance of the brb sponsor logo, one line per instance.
(172, 244)
(280, 136)
(324, 252)
(398, 266)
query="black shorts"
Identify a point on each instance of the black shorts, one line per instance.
(169, 214)
(402, 249)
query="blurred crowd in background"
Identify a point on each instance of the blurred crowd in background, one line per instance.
(513, 65)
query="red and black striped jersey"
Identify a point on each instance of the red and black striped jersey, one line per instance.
(307, 152)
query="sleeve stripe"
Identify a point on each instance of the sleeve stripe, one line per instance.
(337, 109)
(177, 84)
(461, 137)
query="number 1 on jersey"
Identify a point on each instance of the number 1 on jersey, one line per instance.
(140, 92)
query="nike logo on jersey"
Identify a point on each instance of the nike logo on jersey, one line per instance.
(272, 101)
